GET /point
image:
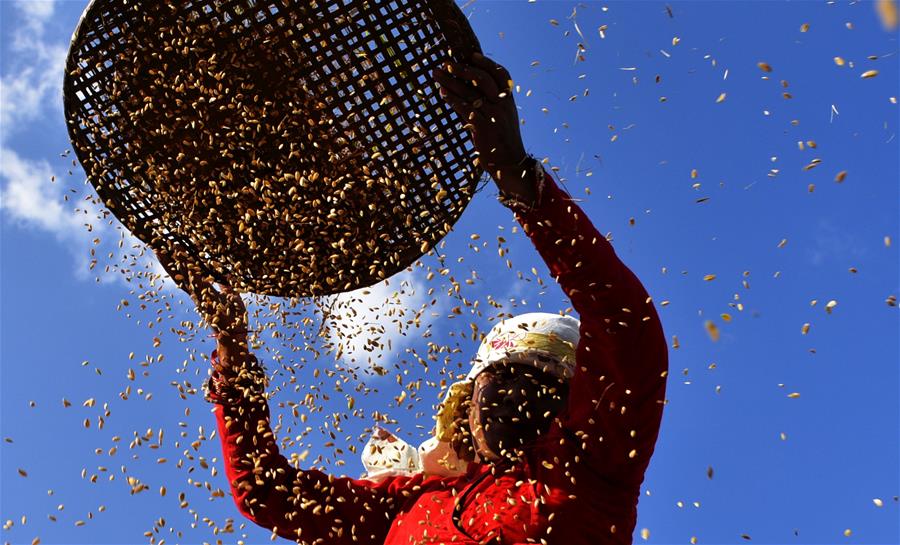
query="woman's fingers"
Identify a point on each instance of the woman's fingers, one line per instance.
(462, 107)
(188, 276)
(234, 300)
(231, 312)
(476, 78)
(454, 85)
(498, 72)
(208, 301)
(225, 288)
(221, 308)
(180, 269)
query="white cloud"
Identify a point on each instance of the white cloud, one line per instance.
(33, 82)
(30, 91)
(35, 73)
(369, 324)
(30, 199)
(37, 10)
(29, 196)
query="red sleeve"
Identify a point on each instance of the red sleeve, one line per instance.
(616, 396)
(294, 503)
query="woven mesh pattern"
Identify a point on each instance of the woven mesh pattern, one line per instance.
(294, 148)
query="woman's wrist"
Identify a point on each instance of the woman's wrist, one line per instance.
(233, 350)
(510, 173)
(520, 184)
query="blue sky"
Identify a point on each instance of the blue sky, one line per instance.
(785, 469)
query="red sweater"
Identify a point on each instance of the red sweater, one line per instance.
(579, 483)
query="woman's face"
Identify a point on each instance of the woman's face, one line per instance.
(512, 404)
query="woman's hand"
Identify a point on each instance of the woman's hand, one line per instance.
(481, 93)
(221, 309)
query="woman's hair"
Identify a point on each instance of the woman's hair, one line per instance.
(461, 440)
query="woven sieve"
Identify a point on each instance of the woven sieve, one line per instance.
(294, 148)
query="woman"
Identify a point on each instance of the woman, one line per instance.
(546, 441)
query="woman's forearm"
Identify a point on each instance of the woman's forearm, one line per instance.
(294, 503)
